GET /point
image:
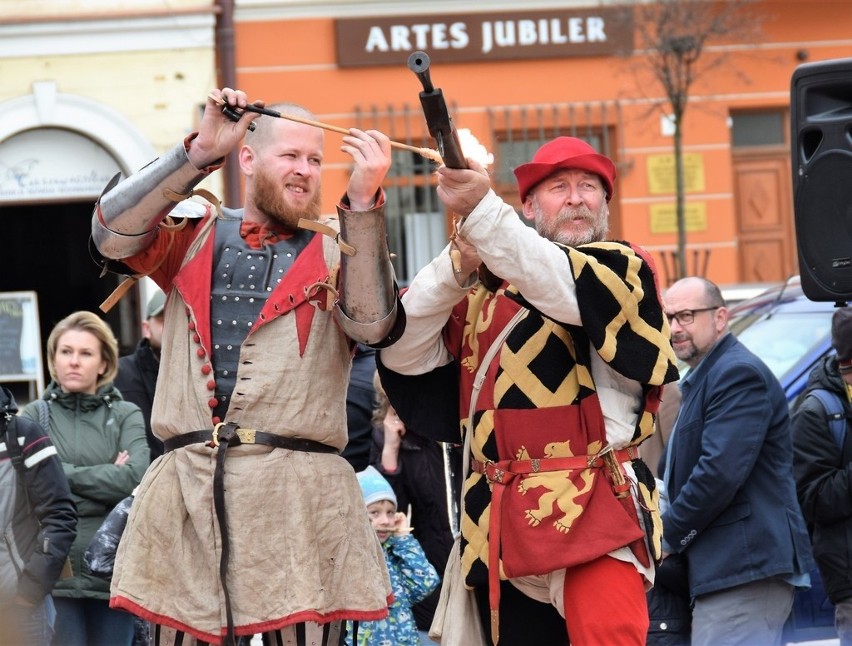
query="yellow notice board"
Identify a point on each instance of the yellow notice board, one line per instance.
(661, 173)
(664, 217)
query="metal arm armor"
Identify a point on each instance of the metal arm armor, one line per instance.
(367, 309)
(127, 214)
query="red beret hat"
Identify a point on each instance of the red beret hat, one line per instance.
(564, 152)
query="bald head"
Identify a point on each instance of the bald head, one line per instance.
(282, 163)
(697, 315)
(265, 127)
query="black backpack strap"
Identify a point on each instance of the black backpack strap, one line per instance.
(10, 430)
(835, 410)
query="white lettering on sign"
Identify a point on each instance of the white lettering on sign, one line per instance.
(511, 33)
(404, 38)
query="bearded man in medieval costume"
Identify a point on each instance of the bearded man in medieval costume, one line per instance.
(560, 530)
(251, 522)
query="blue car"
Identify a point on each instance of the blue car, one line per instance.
(791, 334)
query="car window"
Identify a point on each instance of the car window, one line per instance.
(782, 339)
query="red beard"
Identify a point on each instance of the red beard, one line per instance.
(270, 200)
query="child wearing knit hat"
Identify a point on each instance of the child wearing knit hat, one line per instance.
(412, 577)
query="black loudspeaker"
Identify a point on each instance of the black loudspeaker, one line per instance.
(821, 120)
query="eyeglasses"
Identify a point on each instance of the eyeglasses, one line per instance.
(686, 317)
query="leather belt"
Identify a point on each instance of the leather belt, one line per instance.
(247, 436)
(223, 436)
(500, 473)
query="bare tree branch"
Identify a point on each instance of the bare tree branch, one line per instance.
(672, 40)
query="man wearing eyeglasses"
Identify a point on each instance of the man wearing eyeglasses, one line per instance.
(733, 510)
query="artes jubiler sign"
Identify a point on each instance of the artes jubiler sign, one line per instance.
(484, 36)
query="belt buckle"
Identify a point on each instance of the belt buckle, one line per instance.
(493, 473)
(244, 435)
(231, 433)
(214, 440)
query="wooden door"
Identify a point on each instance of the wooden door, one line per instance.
(765, 227)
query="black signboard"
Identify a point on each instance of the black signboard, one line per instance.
(20, 339)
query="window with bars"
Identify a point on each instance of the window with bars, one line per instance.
(417, 224)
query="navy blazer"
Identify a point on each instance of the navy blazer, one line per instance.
(733, 511)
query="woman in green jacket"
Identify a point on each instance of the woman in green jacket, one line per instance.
(101, 442)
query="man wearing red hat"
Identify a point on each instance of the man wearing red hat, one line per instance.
(560, 513)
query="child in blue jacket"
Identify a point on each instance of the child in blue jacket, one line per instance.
(412, 577)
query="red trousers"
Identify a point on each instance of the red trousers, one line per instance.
(605, 604)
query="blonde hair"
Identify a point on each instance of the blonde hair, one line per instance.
(92, 323)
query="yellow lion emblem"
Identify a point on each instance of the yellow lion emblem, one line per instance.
(561, 490)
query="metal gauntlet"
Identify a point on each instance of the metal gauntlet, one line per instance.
(127, 214)
(367, 308)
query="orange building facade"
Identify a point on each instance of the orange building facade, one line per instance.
(515, 78)
(92, 88)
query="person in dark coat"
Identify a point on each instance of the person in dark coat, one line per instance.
(360, 398)
(137, 372)
(669, 603)
(733, 512)
(38, 522)
(823, 471)
(425, 474)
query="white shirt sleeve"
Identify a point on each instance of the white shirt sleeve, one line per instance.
(510, 249)
(428, 303)
(542, 273)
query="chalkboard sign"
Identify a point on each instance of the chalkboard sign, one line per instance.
(20, 339)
